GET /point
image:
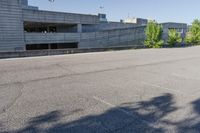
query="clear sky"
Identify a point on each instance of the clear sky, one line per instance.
(161, 10)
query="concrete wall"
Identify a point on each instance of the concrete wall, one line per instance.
(107, 26)
(102, 39)
(40, 38)
(11, 26)
(113, 38)
(113, 25)
(58, 17)
(59, 52)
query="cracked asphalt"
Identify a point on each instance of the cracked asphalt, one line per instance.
(147, 90)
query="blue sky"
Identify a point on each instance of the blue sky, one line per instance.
(160, 10)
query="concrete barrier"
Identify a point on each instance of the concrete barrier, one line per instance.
(34, 53)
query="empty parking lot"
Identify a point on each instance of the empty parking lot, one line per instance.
(148, 90)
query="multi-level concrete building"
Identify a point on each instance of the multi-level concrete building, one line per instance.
(24, 27)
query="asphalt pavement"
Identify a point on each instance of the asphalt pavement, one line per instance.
(129, 91)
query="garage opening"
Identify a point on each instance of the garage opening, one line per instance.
(36, 27)
(63, 45)
(37, 47)
(52, 46)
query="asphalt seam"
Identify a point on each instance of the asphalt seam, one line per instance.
(120, 110)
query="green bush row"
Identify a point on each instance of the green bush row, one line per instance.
(154, 32)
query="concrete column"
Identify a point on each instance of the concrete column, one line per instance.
(49, 46)
(79, 28)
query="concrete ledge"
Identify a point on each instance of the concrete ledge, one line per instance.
(33, 53)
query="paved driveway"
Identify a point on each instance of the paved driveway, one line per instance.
(149, 90)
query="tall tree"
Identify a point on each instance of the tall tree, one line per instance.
(153, 35)
(193, 36)
(174, 37)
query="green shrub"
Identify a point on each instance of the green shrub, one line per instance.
(153, 33)
(174, 37)
(193, 36)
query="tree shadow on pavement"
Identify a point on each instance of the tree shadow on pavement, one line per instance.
(1, 126)
(141, 117)
(192, 124)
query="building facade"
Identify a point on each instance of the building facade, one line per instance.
(179, 27)
(24, 27)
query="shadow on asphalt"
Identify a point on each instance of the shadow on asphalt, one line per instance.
(144, 116)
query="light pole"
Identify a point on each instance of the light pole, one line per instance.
(101, 9)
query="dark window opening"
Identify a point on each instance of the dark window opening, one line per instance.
(54, 46)
(36, 27)
(52, 29)
(67, 45)
(51, 46)
(63, 45)
(37, 47)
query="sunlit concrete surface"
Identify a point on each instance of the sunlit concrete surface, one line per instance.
(148, 90)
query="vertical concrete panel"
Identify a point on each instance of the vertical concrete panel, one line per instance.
(79, 28)
(11, 34)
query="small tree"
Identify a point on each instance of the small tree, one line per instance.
(153, 35)
(174, 37)
(193, 36)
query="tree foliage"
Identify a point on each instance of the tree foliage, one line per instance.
(193, 36)
(174, 37)
(153, 35)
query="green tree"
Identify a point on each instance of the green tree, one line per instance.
(193, 36)
(153, 35)
(174, 37)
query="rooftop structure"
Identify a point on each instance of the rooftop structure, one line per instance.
(26, 6)
(138, 21)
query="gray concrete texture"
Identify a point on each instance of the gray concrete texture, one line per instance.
(101, 39)
(58, 17)
(11, 26)
(148, 90)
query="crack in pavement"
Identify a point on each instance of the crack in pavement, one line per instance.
(18, 93)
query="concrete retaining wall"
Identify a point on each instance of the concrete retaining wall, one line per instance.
(4, 55)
